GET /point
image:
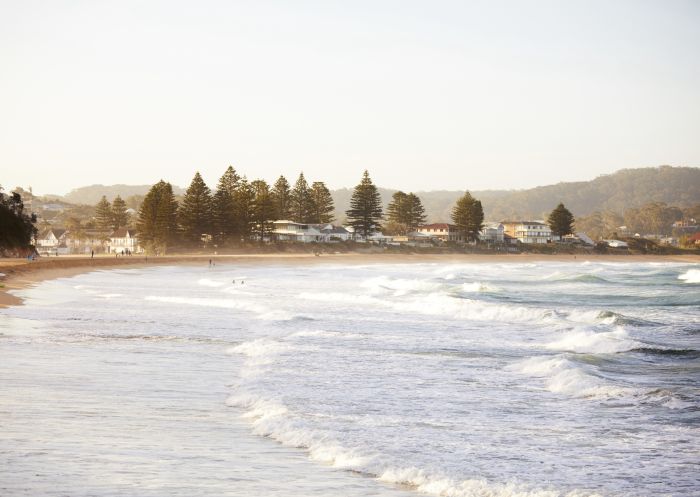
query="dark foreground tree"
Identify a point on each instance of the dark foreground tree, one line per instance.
(468, 216)
(244, 198)
(263, 209)
(281, 196)
(365, 211)
(561, 221)
(157, 220)
(321, 204)
(225, 226)
(194, 215)
(301, 204)
(16, 227)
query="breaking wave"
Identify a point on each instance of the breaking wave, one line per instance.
(690, 276)
(278, 422)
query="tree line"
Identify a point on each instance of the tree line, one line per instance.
(238, 210)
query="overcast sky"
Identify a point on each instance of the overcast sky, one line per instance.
(425, 95)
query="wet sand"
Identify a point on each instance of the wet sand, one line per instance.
(20, 273)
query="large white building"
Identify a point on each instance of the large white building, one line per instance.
(529, 231)
(292, 231)
(123, 240)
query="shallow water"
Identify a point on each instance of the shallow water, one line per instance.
(475, 379)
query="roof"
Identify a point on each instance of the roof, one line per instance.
(56, 232)
(433, 226)
(122, 233)
(524, 222)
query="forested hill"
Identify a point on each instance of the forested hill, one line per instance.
(90, 195)
(627, 188)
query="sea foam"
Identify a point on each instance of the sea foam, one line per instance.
(690, 276)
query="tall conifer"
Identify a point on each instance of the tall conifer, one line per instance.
(119, 215)
(365, 211)
(321, 204)
(224, 222)
(195, 214)
(281, 195)
(561, 221)
(468, 216)
(263, 209)
(301, 203)
(103, 215)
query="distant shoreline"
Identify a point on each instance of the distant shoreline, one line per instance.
(20, 273)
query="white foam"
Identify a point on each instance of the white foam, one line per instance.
(443, 486)
(690, 276)
(210, 283)
(240, 305)
(259, 347)
(565, 377)
(111, 295)
(276, 421)
(476, 287)
(589, 342)
(398, 287)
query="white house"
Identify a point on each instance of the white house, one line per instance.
(123, 240)
(529, 231)
(492, 232)
(442, 231)
(295, 232)
(50, 240)
(331, 233)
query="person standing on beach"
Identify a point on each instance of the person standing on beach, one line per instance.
(92, 254)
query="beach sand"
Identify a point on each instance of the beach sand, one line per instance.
(20, 273)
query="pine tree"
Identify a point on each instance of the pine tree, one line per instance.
(119, 214)
(225, 227)
(263, 209)
(103, 215)
(468, 216)
(301, 203)
(281, 195)
(395, 213)
(365, 211)
(157, 219)
(561, 221)
(195, 215)
(415, 212)
(321, 204)
(405, 212)
(244, 200)
(166, 227)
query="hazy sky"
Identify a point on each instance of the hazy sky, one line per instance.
(426, 95)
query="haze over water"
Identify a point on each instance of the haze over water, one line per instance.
(544, 379)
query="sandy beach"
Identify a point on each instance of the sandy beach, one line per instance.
(20, 273)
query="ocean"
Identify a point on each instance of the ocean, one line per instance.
(491, 379)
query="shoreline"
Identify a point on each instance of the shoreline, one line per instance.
(20, 273)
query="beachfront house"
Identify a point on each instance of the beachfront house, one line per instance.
(123, 240)
(331, 233)
(291, 231)
(529, 231)
(51, 241)
(492, 233)
(443, 232)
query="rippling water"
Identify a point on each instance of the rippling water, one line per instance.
(463, 379)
